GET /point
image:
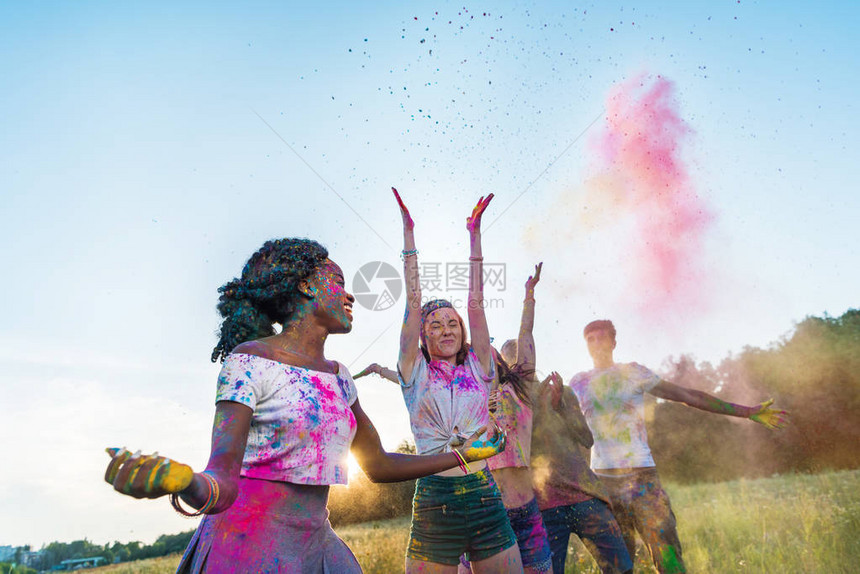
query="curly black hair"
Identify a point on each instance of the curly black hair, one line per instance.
(266, 293)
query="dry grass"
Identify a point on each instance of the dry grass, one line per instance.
(797, 523)
(162, 565)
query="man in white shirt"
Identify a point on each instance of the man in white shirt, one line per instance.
(612, 399)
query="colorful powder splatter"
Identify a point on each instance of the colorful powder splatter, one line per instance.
(640, 182)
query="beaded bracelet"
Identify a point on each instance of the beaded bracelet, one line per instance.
(407, 253)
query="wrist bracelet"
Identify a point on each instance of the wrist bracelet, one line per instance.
(211, 498)
(174, 502)
(460, 462)
(476, 258)
(407, 253)
(214, 492)
(464, 466)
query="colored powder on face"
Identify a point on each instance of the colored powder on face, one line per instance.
(640, 182)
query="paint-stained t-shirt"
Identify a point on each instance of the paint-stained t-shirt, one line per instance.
(612, 401)
(559, 464)
(446, 403)
(302, 425)
(515, 417)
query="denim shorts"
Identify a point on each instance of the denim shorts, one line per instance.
(531, 536)
(458, 515)
(527, 524)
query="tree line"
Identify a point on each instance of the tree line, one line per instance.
(814, 373)
(53, 554)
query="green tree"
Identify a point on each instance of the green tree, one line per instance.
(813, 372)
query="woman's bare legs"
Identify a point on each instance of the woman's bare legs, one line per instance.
(507, 561)
(423, 567)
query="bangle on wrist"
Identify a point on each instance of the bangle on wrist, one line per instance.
(211, 498)
(464, 466)
(476, 258)
(174, 502)
(408, 253)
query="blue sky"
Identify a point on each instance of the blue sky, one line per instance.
(147, 150)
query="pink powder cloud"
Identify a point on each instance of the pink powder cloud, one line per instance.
(639, 180)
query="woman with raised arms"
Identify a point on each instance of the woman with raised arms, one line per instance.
(285, 419)
(445, 382)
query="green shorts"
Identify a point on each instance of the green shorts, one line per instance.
(458, 515)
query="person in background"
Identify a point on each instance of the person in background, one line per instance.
(571, 497)
(612, 400)
(377, 369)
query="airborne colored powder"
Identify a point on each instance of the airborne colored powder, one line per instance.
(640, 182)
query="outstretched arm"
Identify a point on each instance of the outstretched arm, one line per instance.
(382, 466)
(411, 330)
(526, 354)
(153, 476)
(761, 413)
(478, 330)
(378, 369)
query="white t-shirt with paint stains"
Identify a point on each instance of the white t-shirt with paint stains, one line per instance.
(303, 423)
(612, 401)
(446, 404)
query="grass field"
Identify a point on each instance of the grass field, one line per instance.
(789, 524)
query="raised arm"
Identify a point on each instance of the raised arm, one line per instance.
(382, 466)
(761, 413)
(565, 404)
(411, 330)
(215, 488)
(526, 355)
(478, 330)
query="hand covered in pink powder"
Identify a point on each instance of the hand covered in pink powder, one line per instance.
(771, 418)
(404, 212)
(555, 385)
(473, 222)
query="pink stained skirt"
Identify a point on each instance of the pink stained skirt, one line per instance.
(273, 527)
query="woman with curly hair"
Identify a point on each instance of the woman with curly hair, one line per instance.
(285, 419)
(445, 382)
